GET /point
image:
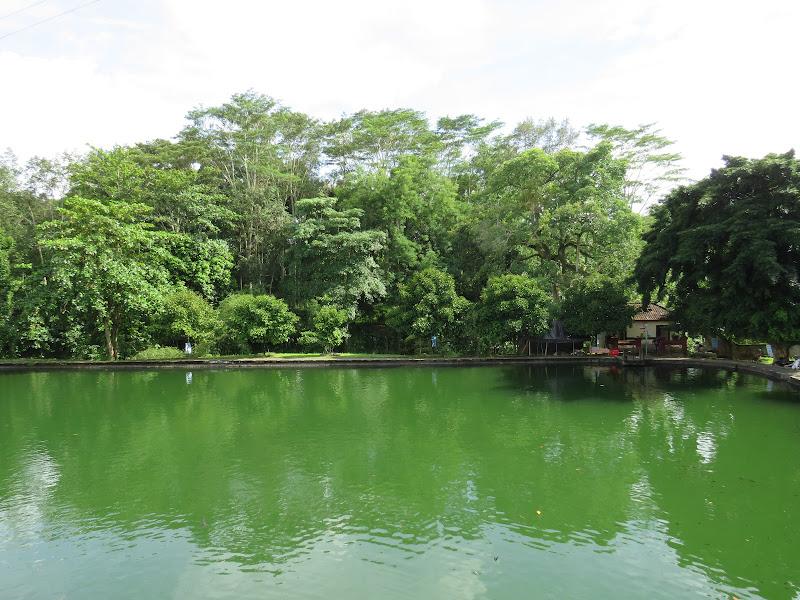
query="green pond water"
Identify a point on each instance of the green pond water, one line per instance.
(491, 482)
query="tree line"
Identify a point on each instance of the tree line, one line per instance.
(260, 228)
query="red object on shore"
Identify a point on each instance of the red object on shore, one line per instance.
(615, 353)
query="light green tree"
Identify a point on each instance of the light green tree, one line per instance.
(375, 141)
(329, 329)
(429, 306)
(652, 169)
(547, 134)
(511, 306)
(189, 212)
(254, 323)
(108, 263)
(186, 317)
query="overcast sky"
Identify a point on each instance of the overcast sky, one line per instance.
(717, 76)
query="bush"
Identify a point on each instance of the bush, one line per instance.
(159, 353)
(330, 329)
(253, 323)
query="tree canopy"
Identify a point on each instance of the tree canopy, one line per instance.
(257, 222)
(728, 248)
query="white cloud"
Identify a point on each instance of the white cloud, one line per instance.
(716, 76)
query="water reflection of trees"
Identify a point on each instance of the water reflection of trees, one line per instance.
(275, 461)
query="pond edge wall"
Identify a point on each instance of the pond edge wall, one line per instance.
(775, 373)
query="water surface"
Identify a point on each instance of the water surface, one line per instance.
(505, 482)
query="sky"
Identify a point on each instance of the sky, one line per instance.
(719, 77)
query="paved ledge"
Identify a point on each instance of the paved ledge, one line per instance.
(789, 376)
(775, 373)
(315, 361)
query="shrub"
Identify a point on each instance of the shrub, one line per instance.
(159, 353)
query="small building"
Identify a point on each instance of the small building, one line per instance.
(651, 323)
(653, 327)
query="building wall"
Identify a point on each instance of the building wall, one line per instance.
(635, 330)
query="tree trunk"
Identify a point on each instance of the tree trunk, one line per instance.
(109, 342)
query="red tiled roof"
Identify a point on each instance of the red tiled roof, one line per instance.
(654, 312)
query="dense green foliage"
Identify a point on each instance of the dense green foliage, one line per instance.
(261, 228)
(430, 308)
(254, 323)
(331, 257)
(186, 317)
(329, 329)
(595, 306)
(729, 248)
(511, 306)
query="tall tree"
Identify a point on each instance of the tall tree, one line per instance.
(375, 141)
(564, 214)
(331, 258)
(108, 264)
(413, 205)
(729, 247)
(6, 290)
(267, 157)
(179, 204)
(652, 169)
(29, 196)
(458, 139)
(548, 135)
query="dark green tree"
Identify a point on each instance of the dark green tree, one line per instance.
(562, 215)
(593, 306)
(729, 246)
(7, 288)
(331, 257)
(414, 206)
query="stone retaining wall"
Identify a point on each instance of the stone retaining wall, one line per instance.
(789, 376)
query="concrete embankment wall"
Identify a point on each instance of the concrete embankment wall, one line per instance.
(775, 373)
